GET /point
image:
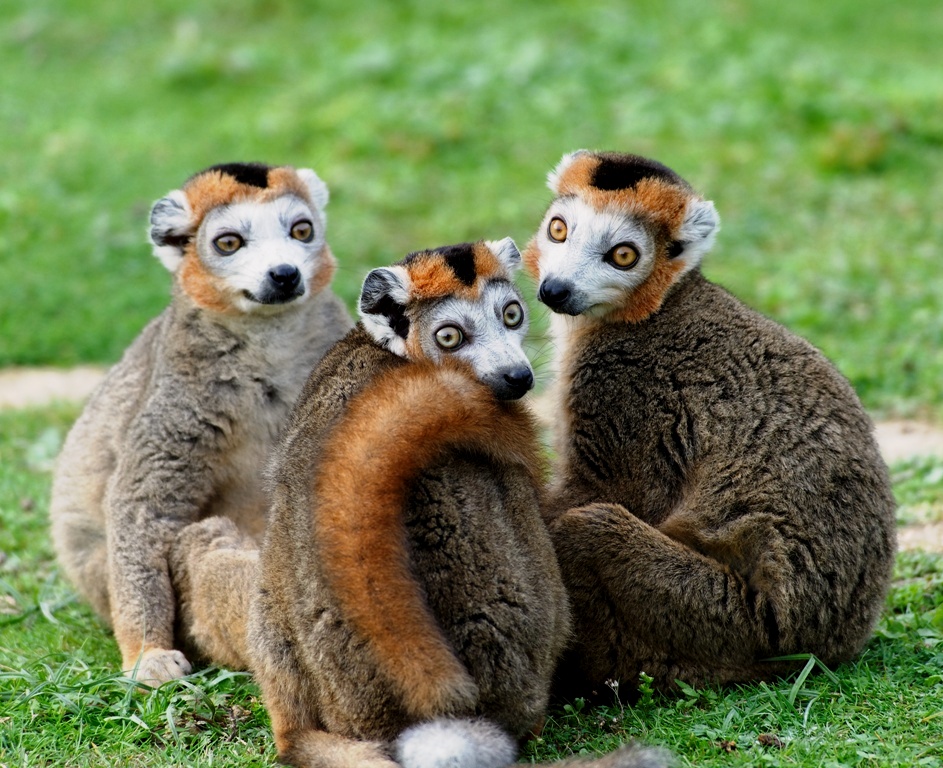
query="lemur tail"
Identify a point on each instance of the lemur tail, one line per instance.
(479, 744)
(400, 424)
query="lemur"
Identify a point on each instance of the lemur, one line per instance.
(719, 499)
(180, 428)
(409, 608)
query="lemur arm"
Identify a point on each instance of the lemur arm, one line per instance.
(162, 482)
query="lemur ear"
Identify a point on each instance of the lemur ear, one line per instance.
(171, 228)
(382, 307)
(316, 187)
(507, 253)
(553, 178)
(697, 232)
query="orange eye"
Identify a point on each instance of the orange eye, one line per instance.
(557, 230)
(624, 256)
(303, 231)
(228, 244)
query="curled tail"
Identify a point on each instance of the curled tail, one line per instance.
(463, 743)
(398, 425)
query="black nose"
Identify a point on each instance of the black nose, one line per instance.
(554, 293)
(518, 382)
(285, 276)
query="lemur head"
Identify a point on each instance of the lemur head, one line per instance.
(456, 301)
(245, 237)
(621, 232)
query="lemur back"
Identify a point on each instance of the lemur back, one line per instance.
(719, 497)
(407, 582)
(181, 427)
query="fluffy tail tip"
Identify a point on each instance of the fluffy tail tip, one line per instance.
(455, 744)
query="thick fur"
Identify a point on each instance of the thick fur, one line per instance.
(719, 498)
(182, 426)
(406, 573)
(407, 581)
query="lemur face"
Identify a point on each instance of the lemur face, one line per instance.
(454, 302)
(246, 238)
(620, 233)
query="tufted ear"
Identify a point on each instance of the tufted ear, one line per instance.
(171, 228)
(553, 178)
(507, 253)
(696, 234)
(316, 187)
(382, 307)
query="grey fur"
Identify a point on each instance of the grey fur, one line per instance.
(178, 431)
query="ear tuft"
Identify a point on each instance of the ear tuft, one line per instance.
(171, 228)
(553, 178)
(506, 252)
(382, 307)
(697, 232)
(316, 187)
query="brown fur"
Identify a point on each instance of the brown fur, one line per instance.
(401, 654)
(364, 557)
(719, 498)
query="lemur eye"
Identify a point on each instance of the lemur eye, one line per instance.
(449, 337)
(557, 230)
(623, 256)
(228, 244)
(513, 315)
(303, 231)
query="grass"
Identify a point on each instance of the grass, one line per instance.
(62, 702)
(815, 127)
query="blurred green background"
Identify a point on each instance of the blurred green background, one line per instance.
(816, 127)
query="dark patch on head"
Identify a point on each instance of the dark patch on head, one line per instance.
(169, 238)
(253, 174)
(617, 171)
(675, 248)
(461, 260)
(375, 299)
(393, 311)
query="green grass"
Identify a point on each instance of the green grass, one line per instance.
(62, 702)
(814, 126)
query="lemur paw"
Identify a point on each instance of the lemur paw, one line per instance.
(158, 665)
(590, 515)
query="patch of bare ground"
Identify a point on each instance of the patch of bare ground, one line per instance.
(899, 439)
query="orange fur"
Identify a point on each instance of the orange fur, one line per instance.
(648, 297)
(531, 258)
(214, 188)
(322, 278)
(431, 278)
(577, 176)
(397, 426)
(659, 200)
(207, 290)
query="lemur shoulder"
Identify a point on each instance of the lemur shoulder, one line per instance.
(181, 427)
(410, 609)
(719, 497)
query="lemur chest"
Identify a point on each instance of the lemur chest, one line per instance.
(263, 406)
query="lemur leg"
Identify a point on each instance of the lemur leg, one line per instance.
(299, 736)
(214, 567)
(643, 602)
(320, 749)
